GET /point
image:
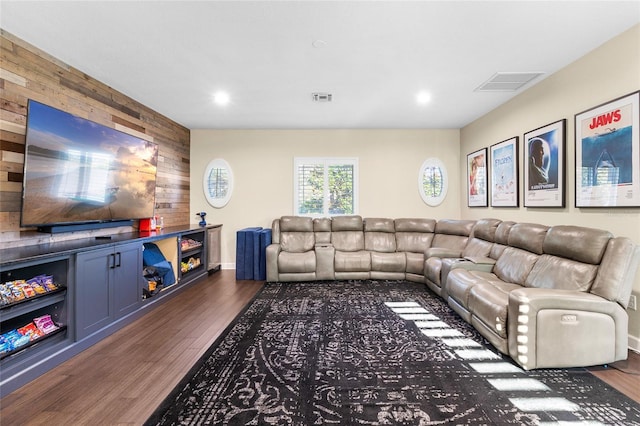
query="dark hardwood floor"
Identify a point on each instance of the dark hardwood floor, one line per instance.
(122, 379)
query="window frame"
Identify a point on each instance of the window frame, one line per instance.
(217, 202)
(325, 162)
(428, 199)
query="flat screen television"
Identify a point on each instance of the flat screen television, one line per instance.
(77, 171)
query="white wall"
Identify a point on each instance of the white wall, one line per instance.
(608, 72)
(262, 163)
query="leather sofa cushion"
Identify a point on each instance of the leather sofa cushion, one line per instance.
(297, 242)
(348, 240)
(613, 273)
(380, 241)
(415, 263)
(502, 232)
(413, 242)
(347, 233)
(296, 262)
(485, 229)
(455, 242)
(358, 261)
(432, 268)
(514, 265)
(497, 250)
(296, 234)
(415, 225)
(477, 248)
(455, 227)
(379, 235)
(322, 230)
(347, 223)
(489, 303)
(413, 235)
(575, 242)
(461, 281)
(528, 236)
(296, 224)
(373, 224)
(322, 224)
(561, 274)
(388, 262)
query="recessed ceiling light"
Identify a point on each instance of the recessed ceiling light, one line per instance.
(319, 44)
(221, 98)
(423, 98)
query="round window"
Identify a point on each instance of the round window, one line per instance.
(218, 183)
(433, 182)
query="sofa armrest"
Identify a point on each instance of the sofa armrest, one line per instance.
(549, 328)
(442, 252)
(271, 255)
(481, 260)
(450, 264)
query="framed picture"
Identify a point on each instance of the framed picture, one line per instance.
(504, 173)
(544, 165)
(477, 178)
(608, 154)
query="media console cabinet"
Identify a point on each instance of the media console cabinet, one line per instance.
(100, 290)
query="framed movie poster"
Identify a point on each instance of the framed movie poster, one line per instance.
(608, 154)
(477, 178)
(544, 165)
(504, 173)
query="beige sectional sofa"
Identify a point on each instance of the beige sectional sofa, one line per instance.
(546, 296)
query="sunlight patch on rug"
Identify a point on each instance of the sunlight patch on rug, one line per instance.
(418, 317)
(410, 310)
(518, 385)
(442, 332)
(544, 404)
(432, 324)
(495, 367)
(461, 343)
(477, 354)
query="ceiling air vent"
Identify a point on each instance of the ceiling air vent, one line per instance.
(321, 97)
(507, 81)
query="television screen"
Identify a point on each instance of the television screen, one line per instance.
(78, 171)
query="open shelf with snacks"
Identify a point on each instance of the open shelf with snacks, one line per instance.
(18, 308)
(34, 311)
(193, 260)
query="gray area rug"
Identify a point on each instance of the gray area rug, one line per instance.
(374, 353)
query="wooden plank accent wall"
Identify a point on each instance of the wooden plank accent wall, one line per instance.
(27, 72)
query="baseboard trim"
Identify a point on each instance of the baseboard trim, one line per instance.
(634, 343)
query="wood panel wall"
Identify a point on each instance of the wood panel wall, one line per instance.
(26, 72)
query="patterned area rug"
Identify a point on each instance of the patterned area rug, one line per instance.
(374, 353)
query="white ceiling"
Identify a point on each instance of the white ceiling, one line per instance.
(173, 55)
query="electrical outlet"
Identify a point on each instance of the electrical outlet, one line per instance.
(633, 303)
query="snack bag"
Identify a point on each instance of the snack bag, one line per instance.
(17, 292)
(31, 330)
(45, 324)
(36, 285)
(4, 347)
(15, 339)
(6, 296)
(47, 282)
(27, 290)
(38, 288)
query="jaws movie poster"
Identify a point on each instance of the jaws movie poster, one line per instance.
(608, 155)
